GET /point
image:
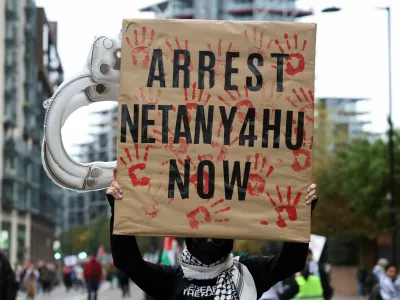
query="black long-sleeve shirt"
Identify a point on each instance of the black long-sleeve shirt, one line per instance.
(8, 284)
(167, 282)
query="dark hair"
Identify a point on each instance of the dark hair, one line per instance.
(309, 251)
(391, 266)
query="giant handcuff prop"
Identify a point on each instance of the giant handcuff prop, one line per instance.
(97, 81)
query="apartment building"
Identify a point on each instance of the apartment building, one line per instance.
(30, 70)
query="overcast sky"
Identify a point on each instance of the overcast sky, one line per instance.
(351, 50)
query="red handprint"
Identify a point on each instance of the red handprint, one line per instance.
(304, 103)
(257, 178)
(151, 209)
(241, 101)
(302, 157)
(178, 45)
(288, 207)
(220, 63)
(256, 45)
(141, 51)
(204, 214)
(150, 99)
(179, 150)
(270, 98)
(293, 68)
(194, 97)
(138, 165)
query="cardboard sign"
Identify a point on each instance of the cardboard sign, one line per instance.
(215, 129)
(317, 244)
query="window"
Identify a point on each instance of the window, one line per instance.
(103, 140)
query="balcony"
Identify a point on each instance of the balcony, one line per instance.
(11, 35)
(11, 61)
(30, 7)
(11, 10)
(30, 32)
(10, 92)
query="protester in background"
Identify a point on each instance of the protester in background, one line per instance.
(18, 271)
(111, 274)
(379, 269)
(390, 283)
(46, 278)
(31, 280)
(93, 277)
(377, 273)
(362, 276)
(312, 264)
(324, 275)
(8, 284)
(207, 267)
(79, 277)
(67, 277)
(310, 286)
(123, 280)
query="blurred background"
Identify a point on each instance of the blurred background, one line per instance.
(356, 151)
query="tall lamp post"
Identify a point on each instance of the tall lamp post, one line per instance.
(391, 144)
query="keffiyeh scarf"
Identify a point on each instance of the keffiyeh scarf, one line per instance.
(234, 281)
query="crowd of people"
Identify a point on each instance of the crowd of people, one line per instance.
(42, 278)
(382, 284)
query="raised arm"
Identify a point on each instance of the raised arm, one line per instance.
(128, 259)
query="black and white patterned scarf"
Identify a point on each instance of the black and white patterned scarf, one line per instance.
(234, 281)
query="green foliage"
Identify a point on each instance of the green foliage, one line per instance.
(72, 241)
(343, 251)
(99, 234)
(354, 187)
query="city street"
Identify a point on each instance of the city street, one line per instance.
(105, 293)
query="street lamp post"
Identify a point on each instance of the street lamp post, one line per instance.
(391, 133)
(391, 147)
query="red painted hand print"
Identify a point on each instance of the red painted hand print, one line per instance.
(261, 170)
(270, 98)
(221, 150)
(241, 100)
(151, 209)
(256, 42)
(141, 50)
(179, 150)
(194, 97)
(303, 102)
(302, 158)
(206, 214)
(288, 207)
(177, 45)
(295, 62)
(138, 165)
(220, 63)
(148, 97)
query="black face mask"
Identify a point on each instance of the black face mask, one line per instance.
(208, 253)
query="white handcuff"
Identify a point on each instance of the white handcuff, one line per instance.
(97, 81)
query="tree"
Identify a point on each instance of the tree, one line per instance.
(99, 234)
(73, 240)
(354, 187)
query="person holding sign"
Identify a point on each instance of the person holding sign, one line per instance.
(207, 268)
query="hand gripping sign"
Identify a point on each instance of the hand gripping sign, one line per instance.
(97, 81)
